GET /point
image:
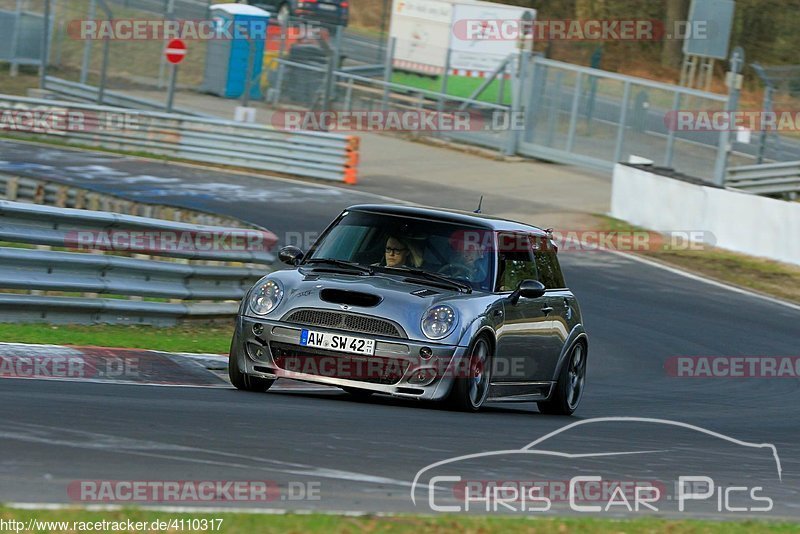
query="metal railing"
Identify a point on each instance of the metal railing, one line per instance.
(767, 179)
(81, 92)
(43, 192)
(143, 290)
(300, 153)
(302, 84)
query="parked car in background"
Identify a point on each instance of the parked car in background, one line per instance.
(329, 12)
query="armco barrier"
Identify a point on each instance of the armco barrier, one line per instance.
(738, 221)
(33, 191)
(300, 153)
(144, 291)
(781, 178)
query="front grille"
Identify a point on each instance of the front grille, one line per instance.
(344, 321)
(318, 362)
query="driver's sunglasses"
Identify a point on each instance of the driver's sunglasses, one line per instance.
(390, 250)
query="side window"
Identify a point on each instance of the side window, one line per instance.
(515, 261)
(547, 264)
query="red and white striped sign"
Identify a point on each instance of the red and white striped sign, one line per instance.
(175, 51)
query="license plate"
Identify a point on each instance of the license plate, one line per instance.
(328, 7)
(337, 342)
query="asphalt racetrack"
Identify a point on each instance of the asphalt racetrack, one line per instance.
(366, 455)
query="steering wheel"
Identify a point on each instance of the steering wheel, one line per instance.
(456, 270)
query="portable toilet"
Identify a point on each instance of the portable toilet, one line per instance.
(241, 30)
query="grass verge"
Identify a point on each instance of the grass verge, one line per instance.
(764, 276)
(245, 523)
(207, 338)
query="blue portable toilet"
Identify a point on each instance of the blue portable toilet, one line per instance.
(241, 29)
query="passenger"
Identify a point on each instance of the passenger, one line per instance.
(400, 253)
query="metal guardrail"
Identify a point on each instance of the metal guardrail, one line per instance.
(767, 179)
(130, 280)
(81, 92)
(300, 153)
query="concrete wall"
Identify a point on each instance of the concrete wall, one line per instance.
(741, 222)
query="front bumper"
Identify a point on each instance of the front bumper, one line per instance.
(273, 350)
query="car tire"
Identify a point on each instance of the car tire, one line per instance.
(242, 380)
(571, 381)
(358, 394)
(470, 392)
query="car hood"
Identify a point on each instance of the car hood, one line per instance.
(395, 299)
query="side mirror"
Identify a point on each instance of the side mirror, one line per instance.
(530, 289)
(290, 255)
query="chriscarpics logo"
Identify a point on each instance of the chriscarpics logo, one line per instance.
(614, 465)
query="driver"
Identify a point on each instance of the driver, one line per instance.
(469, 262)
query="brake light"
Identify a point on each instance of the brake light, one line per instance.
(344, 4)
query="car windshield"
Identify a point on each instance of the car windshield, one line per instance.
(455, 251)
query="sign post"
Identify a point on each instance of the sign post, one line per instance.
(175, 52)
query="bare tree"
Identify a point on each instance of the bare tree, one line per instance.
(672, 53)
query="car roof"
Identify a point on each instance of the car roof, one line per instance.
(452, 216)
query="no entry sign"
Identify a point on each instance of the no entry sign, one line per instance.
(175, 51)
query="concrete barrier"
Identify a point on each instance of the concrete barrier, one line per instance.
(738, 221)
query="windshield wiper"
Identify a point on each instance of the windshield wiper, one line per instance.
(353, 266)
(447, 281)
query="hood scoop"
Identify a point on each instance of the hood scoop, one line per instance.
(424, 293)
(350, 298)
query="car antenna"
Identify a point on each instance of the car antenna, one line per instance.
(480, 202)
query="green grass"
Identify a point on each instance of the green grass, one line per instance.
(459, 86)
(766, 276)
(208, 338)
(246, 523)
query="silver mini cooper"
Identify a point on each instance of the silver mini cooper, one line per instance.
(418, 303)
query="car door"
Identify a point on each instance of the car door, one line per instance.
(527, 345)
(558, 298)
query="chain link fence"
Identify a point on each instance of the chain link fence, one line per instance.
(526, 105)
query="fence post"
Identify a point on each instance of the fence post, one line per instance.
(45, 44)
(573, 118)
(387, 73)
(762, 136)
(106, 43)
(623, 118)
(670, 150)
(276, 91)
(519, 72)
(445, 76)
(733, 79)
(87, 46)
(333, 64)
(14, 66)
(348, 94)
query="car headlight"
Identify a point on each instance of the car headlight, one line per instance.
(438, 321)
(265, 297)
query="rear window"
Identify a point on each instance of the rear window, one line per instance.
(549, 269)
